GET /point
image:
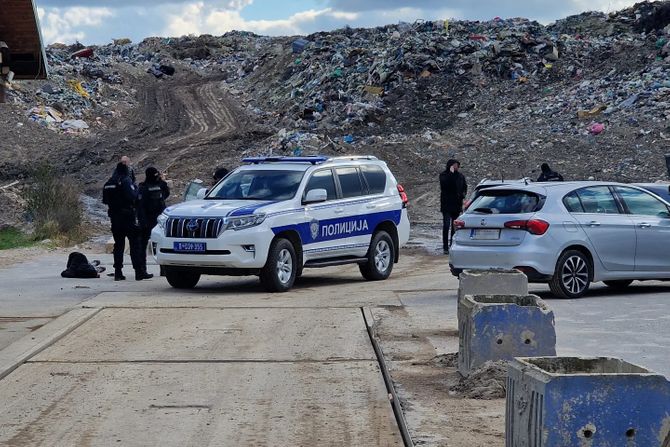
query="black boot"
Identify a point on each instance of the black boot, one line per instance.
(143, 275)
(118, 275)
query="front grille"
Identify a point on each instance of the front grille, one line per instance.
(193, 227)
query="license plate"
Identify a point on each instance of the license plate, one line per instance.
(484, 235)
(190, 247)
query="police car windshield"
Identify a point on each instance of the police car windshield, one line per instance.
(258, 185)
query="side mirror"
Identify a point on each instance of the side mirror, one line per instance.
(202, 192)
(316, 196)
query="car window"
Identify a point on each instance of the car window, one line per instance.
(598, 200)
(663, 191)
(506, 202)
(572, 203)
(350, 182)
(258, 185)
(323, 180)
(641, 203)
(375, 178)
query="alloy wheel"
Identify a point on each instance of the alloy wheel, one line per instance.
(382, 256)
(575, 274)
(284, 266)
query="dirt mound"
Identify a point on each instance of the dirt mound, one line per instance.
(487, 382)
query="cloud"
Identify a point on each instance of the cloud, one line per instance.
(199, 18)
(544, 10)
(68, 24)
(101, 20)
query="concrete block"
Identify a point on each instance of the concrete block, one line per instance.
(570, 401)
(492, 282)
(501, 327)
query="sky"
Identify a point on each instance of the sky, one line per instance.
(100, 21)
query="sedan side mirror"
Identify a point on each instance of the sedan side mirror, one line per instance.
(201, 194)
(316, 196)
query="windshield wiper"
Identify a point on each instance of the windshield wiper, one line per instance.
(483, 210)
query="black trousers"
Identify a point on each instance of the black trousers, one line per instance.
(448, 228)
(122, 228)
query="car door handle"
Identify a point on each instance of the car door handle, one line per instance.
(594, 223)
(645, 225)
(339, 210)
(371, 206)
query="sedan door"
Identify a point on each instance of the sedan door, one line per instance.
(652, 225)
(612, 233)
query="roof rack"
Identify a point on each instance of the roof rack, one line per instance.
(259, 160)
(313, 159)
(353, 157)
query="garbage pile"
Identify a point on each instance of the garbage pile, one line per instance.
(591, 85)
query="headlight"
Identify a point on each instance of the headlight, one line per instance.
(242, 222)
(161, 221)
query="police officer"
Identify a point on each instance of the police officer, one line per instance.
(151, 203)
(120, 195)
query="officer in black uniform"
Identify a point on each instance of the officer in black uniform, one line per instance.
(151, 203)
(120, 195)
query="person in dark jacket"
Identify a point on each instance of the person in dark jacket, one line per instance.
(548, 175)
(151, 203)
(453, 189)
(219, 174)
(120, 195)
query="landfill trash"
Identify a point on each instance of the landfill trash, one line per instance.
(167, 69)
(45, 115)
(74, 125)
(122, 42)
(596, 128)
(597, 110)
(79, 88)
(299, 45)
(86, 53)
(349, 139)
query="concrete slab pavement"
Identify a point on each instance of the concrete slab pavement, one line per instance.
(263, 335)
(197, 404)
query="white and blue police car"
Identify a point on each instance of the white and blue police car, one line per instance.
(275, 216)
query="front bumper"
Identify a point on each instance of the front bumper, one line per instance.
(244, 249)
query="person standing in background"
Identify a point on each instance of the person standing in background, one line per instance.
(453, 189)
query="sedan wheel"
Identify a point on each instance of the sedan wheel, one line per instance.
(572, 277)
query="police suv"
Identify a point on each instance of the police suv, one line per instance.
(274, 216)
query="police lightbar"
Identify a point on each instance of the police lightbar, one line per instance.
(313, 160)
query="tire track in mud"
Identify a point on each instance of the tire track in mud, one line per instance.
(176, 117)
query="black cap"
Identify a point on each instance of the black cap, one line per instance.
(152, 174)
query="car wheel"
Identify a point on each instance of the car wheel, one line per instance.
(572, 277)
(381, 256)
(620, 284)
(281, 268)
(181, 279)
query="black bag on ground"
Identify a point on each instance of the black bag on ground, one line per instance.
(79, 267)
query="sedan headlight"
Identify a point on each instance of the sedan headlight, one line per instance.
(243, 222)
(161, 221)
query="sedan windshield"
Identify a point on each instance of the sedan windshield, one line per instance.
(258, 185)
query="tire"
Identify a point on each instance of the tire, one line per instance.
(181, 279)
(573, 274)
(620, 284)
(381, 256)
(281, 268)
